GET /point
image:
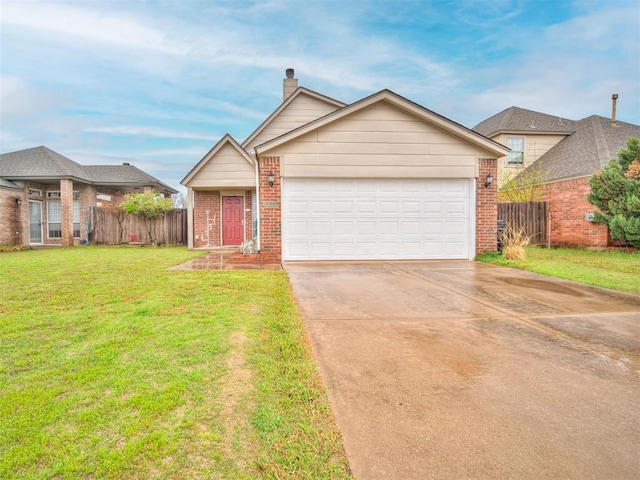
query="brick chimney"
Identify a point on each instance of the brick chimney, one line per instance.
(289, 85)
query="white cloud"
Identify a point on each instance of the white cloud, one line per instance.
(86, 24)
(135, 130)
(193, 152)
(569, 69)
(18, 99)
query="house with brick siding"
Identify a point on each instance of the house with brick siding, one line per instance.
(45, 197)
(381, 178)
(561, 155)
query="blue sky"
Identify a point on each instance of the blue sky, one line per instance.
(158, 82)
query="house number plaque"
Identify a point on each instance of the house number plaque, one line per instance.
(270, 204)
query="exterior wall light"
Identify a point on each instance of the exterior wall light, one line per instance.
(489, 180)
(18, 202)
(270, 179)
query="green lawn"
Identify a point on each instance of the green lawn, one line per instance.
(112, 366)
(617, 270)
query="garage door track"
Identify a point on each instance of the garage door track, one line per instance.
(465, 370)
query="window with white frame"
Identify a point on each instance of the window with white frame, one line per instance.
(54, 218)
(76, 219)
(35, 193)
(516, 155)
(54, 215)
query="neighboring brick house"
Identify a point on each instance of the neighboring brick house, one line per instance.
(381, 178)
(45, 197)
(562, 155)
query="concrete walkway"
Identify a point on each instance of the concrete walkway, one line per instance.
(460, 370)
(221, 259)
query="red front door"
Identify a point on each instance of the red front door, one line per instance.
(232, 220)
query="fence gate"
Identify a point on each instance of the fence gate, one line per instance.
(530, 215)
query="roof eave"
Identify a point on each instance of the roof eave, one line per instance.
(528, 132)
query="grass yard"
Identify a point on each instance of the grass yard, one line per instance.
(112, 366)
(617, 270)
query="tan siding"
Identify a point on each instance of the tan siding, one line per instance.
(302, 110)
(379, 141)
(374, 148)
(227, 168)
(372, 160)
(381, 171)
(534, 145)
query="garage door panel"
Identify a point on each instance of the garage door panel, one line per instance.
(344, 227)
(455, 207)
(298, 207)
(432, 229)
(351, 219)
(433, 206)
(365, 227)
(318, 227)
(344, 207)
(316, 207)
(298, 228)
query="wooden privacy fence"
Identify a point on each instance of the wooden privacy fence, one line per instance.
(103, 228)
(530, 215)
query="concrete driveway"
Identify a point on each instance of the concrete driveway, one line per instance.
(461, 370)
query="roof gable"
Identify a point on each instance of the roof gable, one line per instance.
(515, 119)
(588, 150)
(224, 142)
(40, 162)
(329, 103)
(401, 103)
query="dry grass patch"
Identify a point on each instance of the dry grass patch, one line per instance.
(514, 241)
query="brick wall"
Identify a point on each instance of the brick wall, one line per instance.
(248, 230)
(568, 206)
(11, 228)
(20, 222)
(206, 219)
(486, 207)
(270, 208)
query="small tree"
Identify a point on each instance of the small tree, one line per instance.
(150, 206)
(119, 214)
(521, 184)
(616, 192)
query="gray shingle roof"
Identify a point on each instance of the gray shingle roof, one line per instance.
(122, 174)
(594, 143)
(515, 119)
(39, 162)
(43, 163)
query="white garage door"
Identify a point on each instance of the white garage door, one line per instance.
(367, 219)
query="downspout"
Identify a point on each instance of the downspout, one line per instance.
(257, 203)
